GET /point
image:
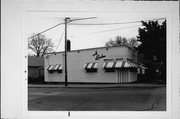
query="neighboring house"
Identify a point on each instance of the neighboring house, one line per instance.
(35, 67)
(94, 65)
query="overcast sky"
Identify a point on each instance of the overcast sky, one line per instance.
(85, 36)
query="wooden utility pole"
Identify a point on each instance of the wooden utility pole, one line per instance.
(65, 50)
(68, 20)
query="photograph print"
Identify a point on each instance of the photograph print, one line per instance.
(80, 61)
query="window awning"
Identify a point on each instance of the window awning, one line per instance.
(120, 64)
(142, 67)
(130, 63)
(110, 64)
(91, 65)
(60, 67)
(55, 67)
(50, 67)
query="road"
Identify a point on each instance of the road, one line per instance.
(101, 99)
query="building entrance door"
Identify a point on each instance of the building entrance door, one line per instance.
(122, 76)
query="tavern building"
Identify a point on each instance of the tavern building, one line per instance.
(94, 65)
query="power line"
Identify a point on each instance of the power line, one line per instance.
(60, 39)
(115, 23)
(46, 30)
(60, 24)
(113, 29)
(82, 19)
(92, 24)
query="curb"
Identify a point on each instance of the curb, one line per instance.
(98, 87)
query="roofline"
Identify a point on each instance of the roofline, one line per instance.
(92, 49)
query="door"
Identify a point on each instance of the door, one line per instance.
(122, 76)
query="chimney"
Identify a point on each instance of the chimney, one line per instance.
(68, 45)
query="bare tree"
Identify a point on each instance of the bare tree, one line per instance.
(118, 40)
(40, 44)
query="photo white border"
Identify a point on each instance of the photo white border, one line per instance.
(171, 8)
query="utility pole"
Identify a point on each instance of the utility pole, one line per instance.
(65, 50)
(68, 20)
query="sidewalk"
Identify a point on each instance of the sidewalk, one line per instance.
(138, 85)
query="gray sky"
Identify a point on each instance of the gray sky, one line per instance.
(86, 36)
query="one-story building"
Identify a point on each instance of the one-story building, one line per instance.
(94, 65)
(35, 68)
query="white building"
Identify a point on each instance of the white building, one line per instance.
(95, 65)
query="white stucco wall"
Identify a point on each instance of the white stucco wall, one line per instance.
(133, 76)
(76, 62)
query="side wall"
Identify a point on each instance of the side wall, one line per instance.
(133, 76)
(33, 72)
(76, 61)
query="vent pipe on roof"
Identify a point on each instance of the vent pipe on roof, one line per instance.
(68, 45)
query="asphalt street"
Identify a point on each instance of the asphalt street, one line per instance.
(100, 99)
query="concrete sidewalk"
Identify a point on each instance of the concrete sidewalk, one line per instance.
(95, 85)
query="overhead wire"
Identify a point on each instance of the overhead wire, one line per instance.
(82, 19)
(93, 24)
(46, 30)
(116, 22)
(121, 27)
(60, 39)
(58, 25)
(114, 29)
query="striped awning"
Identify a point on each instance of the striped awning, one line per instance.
(91, 65)
(110, 64)
(60, 67)
(142, 67)
(50, 67)
(55, 67)
(120, 64)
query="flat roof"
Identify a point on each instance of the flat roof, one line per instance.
(94, 49)
(35, 61)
